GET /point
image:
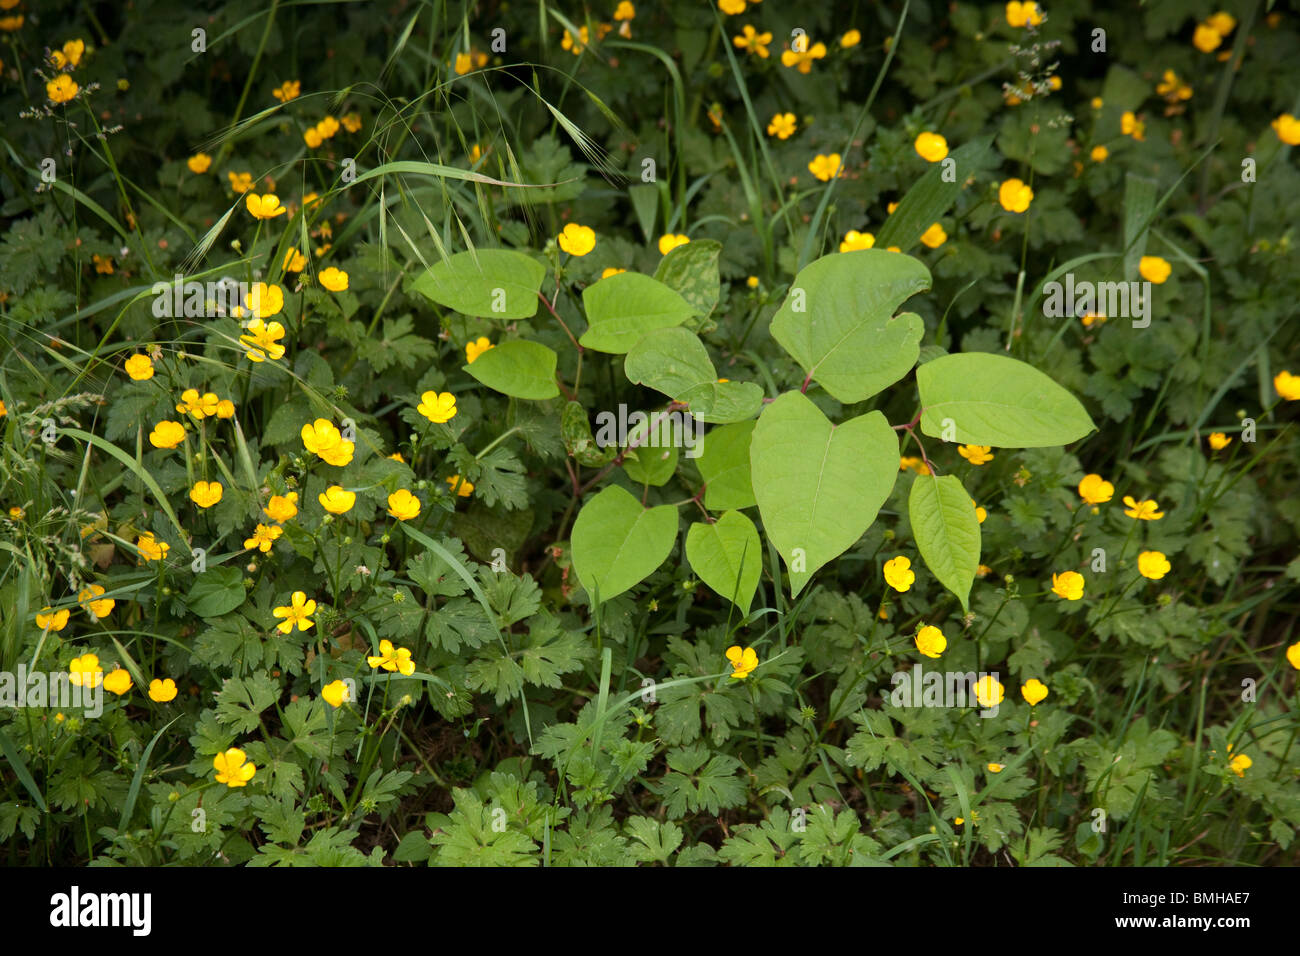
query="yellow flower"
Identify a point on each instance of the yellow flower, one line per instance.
(1099, 154)
(323, 439)
(294, 261)
(995, 768)
(1153, 565)
(976, 454)
(1172, 88)
(47, 617)
(1219, 441)
(914, 463)
(16, 513)
(336, 500)
(225, 408)
(577, 240)
(392, 659)
(782, 126)
(476, 348)
(1154, 269)
(85, 671)
(1293, 655)
(752, 282)
(1014, 195)
(898, 574)
(10, 24)
(263, 537)
(742, 662)
(103, 264)
(1023, 14)
(752, 41)
(1222, 23)
(1090, 318)
(199, 407)
(335, 693)
(1240, 764)
(802, 60)
(99, 606)
(240, 182)
(151, 550)
(1129, 125)
(71, 53)
(934, 237)
(1287, 128)
(989, 691)
(1068, 585)
(397, 456)
(1206, 38)
(624, 11)
(260, 341)
(670, 242)
(930, 641)
(1095, 490)
(931, 147)
(118, 681)
(199, 163)
(403, 505)
(850, 39)
(62, 88)
(1287, 385)
(983, 571)
(162, 691)
(288, 90)
(205, 494)
(1034, 691)
(312, 138)
(282, 507)
(327, 127)
(232, 770)
(139, 367)
(351, 122)
(264, 207)
(857, 240)
(459, 485)
(464, 63)
(1145, 510)
(437, 407)
(980, 513)
(611, 271)
(731, 7)
(575, 47)
(263, 300)
(336, 280)
(298, 611)
(825, 168)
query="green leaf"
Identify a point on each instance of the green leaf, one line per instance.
(518, 368)
(672, 361)
(494, 283)
(625, 307)
(727, 556)
(724, 465)
(692, 271)
(652, 462)
(645, 202)
(838, 321)
(617, 543)
(724, 402)
(578, 440)
(997, 401)
(931, 197)
(819, 485)
(216, 591)
(947, 532)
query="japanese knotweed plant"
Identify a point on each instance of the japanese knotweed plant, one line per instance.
(818, 484)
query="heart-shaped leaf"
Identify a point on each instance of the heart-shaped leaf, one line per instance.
(617, 543)
(625, 307)
(724, 402)
(947, 532)
(518, 368)
(691, 270)
(672, 361)
(724, 466)
(496, 283)
(727, 556)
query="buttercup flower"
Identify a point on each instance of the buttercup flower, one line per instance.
(260, 341)
(437, 407)
(980, 513)
(312, 138)
(1095, 490)
(1034, 691)
(47, 617)
(1293, 655)
(476, 348)
(802, 60)
(1145, 510)
(1172, 88)
(989, 691)
(1068, 584)
(995, 768)
(232, 768)
(1091, 318)
(139, 367)
(611, 271)
(324, 440)
(931, 147)
(1153, 565)
(162, 691)
(825, 168)
(84, 671)
(198, 406)
(298, 611)
(1206, 38)
(336, 500)
(1287, 385)
(240, 182)
(1240, 764)
(90, 599)
(742, 662)
(71, 53)
(1099, 154)
(351, 122)
(225, 408)
(263, 537)
(263, 300)
(462, 487)
(264, 207)
(1219, 441)
(1015, 196)
(294, 261)
(282, 507)
(898, 573)
(288, 90)
(752, 41)
(731, 7)
(1154, 269)
(1287, 128)
(934, 237)
(930, 641)
(915, 464)
(976, 454)
(392, 659)
(403, 505)
(1222, 23)
(118, 681)
(1129, 125)
(151, 550)
(327, 127)
(335, 693)
(577, 240)
(625, 10)
(205, 494)
(1023, 14)
(782, 126)
(62, 88)
(857, 240)
(336, 280)
(850, 39)
(670, 242)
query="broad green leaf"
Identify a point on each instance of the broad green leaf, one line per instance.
(625, 307)
(518, 368)
(575, 427)
(494, 283)
(653, 462)
(724, 466)
(926, 202)
(947, 532)
(617, 543)
(724, 402)
(672, 361)
(819, 485)
(998, 401)
(727, 556)
(216, 591)
(838, 321)
(692, 271)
